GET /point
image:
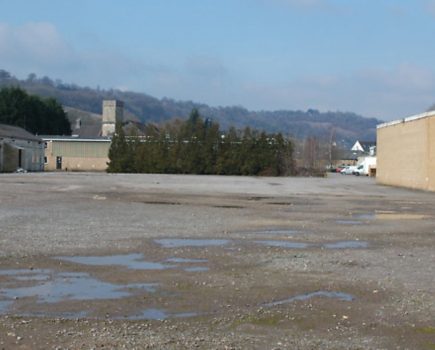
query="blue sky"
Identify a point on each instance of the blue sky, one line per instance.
(372, 57)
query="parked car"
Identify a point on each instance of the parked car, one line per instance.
(359, 170)
(340, 168)
(349, 170)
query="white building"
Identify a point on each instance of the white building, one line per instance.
(20, 149)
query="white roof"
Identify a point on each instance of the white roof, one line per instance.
(74, 139)
(408, 119)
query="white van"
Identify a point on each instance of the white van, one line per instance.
(364, 167)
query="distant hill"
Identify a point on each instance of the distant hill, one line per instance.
(141, 107)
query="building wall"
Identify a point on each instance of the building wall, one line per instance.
(406, 153)
(76, 155)
(10, 158)
(32, 155)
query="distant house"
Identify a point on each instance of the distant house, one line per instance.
(20, 149)
(364, 148)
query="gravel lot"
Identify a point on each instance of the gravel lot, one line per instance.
(92, 261)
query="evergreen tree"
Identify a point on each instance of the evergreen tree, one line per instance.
(36, 115)
(119, 158)
(198, 147)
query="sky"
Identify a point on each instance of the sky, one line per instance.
(371, 57)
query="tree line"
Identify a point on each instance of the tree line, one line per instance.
(198, 146)
(147, 109)
(33, 113)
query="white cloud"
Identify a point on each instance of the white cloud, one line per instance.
(430, 7)
(38, 47)
(39, 42)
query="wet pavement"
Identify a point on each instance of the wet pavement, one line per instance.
(51, 286)
(282, 246)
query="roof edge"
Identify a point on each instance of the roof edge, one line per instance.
(407, 119)
(75, 139)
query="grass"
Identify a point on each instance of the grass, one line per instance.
(427, 330)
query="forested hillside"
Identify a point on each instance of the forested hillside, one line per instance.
(346, 126)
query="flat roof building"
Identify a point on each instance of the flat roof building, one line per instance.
(406, 152)
(76, 154)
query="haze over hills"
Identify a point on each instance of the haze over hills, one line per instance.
(346, 126)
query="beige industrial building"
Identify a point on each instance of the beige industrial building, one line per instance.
(88, 148)
(406, 152)
(76, 154)
(20, 150)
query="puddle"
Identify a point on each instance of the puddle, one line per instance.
(50, 287)
(364, 216)
(284, 244)
(185, 242)
(185, 260)
(346, 245)
(349, 222)
(133, 261)
(274, 232)
(4, 305)
(158, 314)
(301, 245)
(130, 261)
(150, 314)
(307, 296)
(69, 286)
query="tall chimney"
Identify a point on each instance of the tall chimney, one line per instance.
(113, 112)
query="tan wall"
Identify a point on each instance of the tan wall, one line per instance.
(77, 156)
(406, 154)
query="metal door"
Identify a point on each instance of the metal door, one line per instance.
(58, 163)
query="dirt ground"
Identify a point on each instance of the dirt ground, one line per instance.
(98, 261)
